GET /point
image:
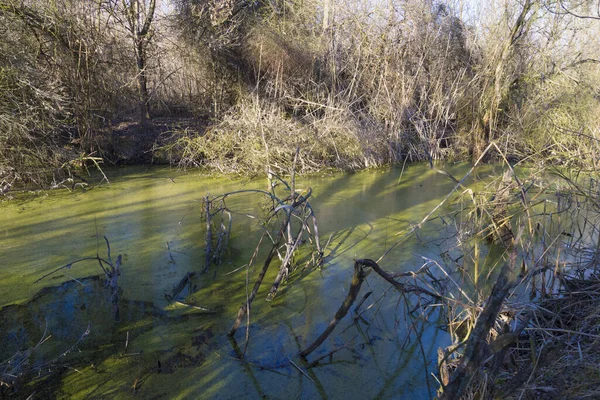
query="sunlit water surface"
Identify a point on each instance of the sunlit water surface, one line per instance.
(152, 216)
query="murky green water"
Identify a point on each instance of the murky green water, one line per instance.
(161, 350)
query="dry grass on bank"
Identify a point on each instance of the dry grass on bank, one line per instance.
(257, 135)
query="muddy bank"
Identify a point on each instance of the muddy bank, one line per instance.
(130, 143)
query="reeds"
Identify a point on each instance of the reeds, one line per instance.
(544, 298)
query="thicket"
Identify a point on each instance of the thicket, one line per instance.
(354, 84)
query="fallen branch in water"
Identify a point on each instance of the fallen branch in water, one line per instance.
(208, 238)
(477, 348)
(331, 353)
(180, 286)
(284, 269)
(246, 306)
(14, 368)
(222, 240)
(199, 308)
(67, 266)
(398, 285)
(357, 280)
(288, 209)
(301, 370)
(111, 272)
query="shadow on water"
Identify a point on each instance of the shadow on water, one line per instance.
(66, 328)
(161, 350)
(69, 332)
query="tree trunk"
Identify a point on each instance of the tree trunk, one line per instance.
(486, 127)
(135, 12)
(142, 82)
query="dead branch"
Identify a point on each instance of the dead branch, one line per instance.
(331, 353)
(244, 308)
(477, 348)
(316, 234)
(398, 285)
(285, 264)
(357, 280)
(180, 286)
(109, 271)
(199, 308)
(222, 240)
(208, 238)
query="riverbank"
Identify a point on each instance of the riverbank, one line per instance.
(530, 330)
(557, 353)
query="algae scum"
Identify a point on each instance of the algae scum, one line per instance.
(60, 337)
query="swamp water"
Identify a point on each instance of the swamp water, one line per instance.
(160, 349)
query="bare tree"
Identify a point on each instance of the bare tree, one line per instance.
(506, 61)
(139, 15)
(583, 9)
